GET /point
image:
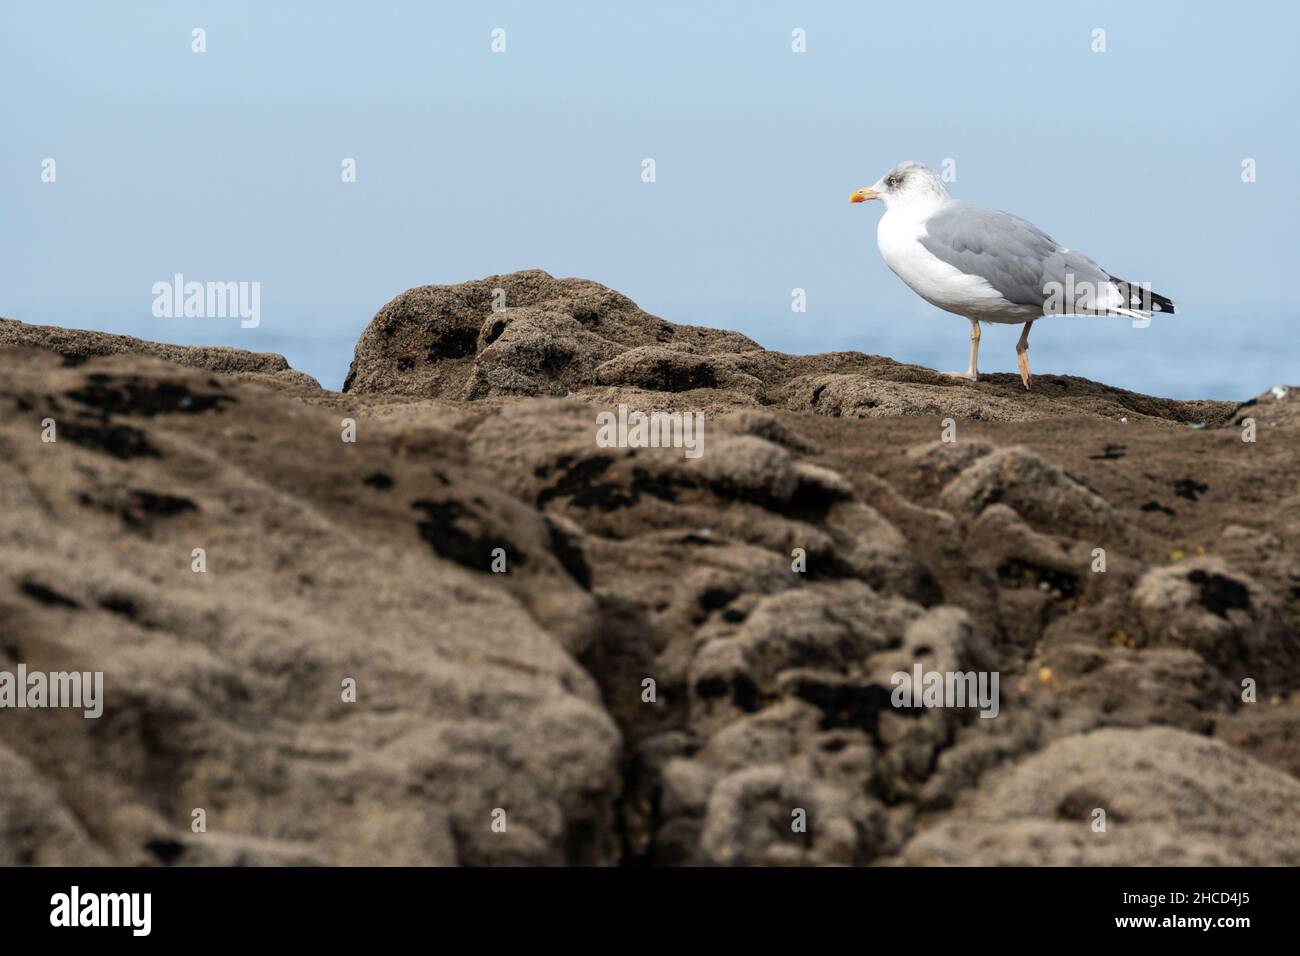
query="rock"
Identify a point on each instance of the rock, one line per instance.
(524, 333)
(873, 550)
(750, 812)
(77, 346)
(36, 827)
(1266, 730)
(635, 654)
(224, 689)
(1224, 615)
(856, 396)
(663, 369)
(1038, 491)
(528, 333)
(1169, 797)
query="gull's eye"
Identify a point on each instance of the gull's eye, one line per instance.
(893, 181)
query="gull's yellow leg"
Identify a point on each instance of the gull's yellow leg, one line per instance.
(1022, 353)
(972, 372)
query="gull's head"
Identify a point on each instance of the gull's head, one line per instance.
(903, 185)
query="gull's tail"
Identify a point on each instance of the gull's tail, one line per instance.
(1140, 299)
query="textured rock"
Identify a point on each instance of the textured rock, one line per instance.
(77, 346)
(639, 656)
(1037, 490)
(520, 334)
(528, 333)
(325, 562)
(1169, 798)
(755, 817)
(1223, 614)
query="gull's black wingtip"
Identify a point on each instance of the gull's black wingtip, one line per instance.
(1141, 298)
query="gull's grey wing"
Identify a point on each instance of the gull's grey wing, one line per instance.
(1016, 257)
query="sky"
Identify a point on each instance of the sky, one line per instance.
(227, 165)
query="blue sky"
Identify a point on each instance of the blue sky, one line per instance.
(225, 166)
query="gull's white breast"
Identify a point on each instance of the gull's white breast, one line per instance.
(934, 280)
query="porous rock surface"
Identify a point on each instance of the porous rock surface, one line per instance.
(565, 652)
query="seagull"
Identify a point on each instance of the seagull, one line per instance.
(990, 266)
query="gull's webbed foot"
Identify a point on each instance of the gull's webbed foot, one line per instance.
(1022, 358)
(1022, 353)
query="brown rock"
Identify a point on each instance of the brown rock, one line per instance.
(528, 333)
(76, 346)
(325, 562)
(678, 652)
(1169, 798)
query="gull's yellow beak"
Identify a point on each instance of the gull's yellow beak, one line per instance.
(863, 194)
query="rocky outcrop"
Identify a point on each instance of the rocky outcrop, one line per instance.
(321, 566)
(567, 650)
(526, 334)
(77, 346)
(529, 334)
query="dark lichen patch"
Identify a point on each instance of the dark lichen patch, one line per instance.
(714, 598)
(1190, 489)
(851, 706)
(143, 397)
(1151, 506)
(561, 464)
(568, 550)
(459, 534)
(452, 341)
(1110, 453)
(812, 499)
(1219, 594)
(581, 483)
(575, 478)
(710, 688)
(671, 375)
(165, 851)
(120, 441)
(744, 692)
(1079, 805)
(645, 483)
(47, 595)
(378, 480)
(120, 604)
(143, 505)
